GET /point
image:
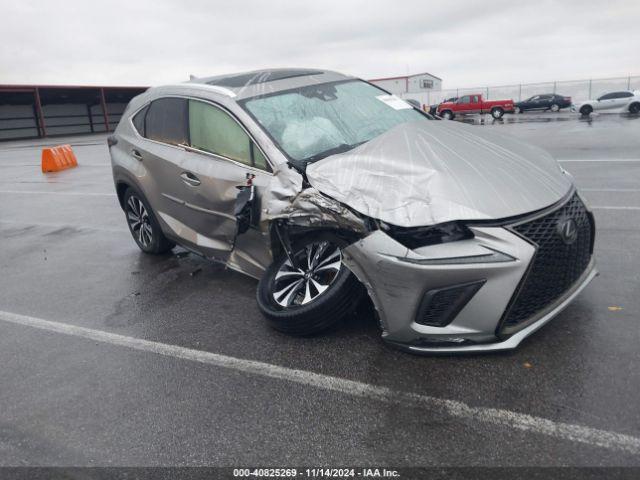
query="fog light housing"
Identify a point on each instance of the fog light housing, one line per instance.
(440, 306)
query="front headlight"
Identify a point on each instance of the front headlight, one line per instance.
(416, 237)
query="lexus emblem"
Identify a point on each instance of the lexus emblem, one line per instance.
(568, 230)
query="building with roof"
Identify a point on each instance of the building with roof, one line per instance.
(32, 111)
(416, 83)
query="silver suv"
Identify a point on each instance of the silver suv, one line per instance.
(328, 189)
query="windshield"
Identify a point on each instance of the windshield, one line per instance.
(316, 121)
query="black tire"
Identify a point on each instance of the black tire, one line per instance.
(518, 109)
(634, 108)
(147, 232)
(586, 110)
(447, 114)
(554, 107)
(497, 112)
(329, 307)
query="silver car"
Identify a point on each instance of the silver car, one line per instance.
(329, 190)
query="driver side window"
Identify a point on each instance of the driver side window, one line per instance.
(213, 130)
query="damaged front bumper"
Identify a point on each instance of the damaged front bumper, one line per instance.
(474, 284)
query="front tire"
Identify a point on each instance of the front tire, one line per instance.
(555, 107)
(447, 115)
(634, 108)
(586, 110)
(310, 298)
(143, 225)
(518, 109)
(497, 113)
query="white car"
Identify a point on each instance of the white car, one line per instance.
(612, 102)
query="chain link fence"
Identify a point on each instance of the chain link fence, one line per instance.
(578, 90)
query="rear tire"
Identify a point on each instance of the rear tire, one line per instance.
(143, 225)
(518, 109)
(634, 108)
(288, 297)
(586, 110)
(554, 107)
(497, 112)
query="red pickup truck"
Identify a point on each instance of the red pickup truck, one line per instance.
(474, 103)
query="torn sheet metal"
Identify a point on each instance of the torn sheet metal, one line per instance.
(424, 173)
(286, 198)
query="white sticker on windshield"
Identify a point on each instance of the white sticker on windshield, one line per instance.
(394, 102)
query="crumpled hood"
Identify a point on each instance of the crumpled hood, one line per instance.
(424, 173)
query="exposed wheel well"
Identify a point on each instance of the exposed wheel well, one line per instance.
(121, 187)
(295, 233)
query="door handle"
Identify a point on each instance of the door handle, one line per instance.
(136, 154)
(190, 179)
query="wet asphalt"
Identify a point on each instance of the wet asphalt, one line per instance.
(67, 257)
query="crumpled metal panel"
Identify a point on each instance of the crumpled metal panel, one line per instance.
(286, 198)
(425, 173)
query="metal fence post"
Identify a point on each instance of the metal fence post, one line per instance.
(520, 92)
(487, 93)
(105, 114)
(554, 87)
(38, 103)
(589, 88)
(629, 82)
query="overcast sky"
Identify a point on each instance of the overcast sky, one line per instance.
(473, 43)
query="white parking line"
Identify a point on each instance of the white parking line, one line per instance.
(37, 192)
(453, 408)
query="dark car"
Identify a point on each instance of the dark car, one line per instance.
(548, 101)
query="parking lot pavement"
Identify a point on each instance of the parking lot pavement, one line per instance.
(213, 385)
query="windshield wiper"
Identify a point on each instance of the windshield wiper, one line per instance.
(343, 147)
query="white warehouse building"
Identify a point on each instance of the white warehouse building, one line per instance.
(408, 84)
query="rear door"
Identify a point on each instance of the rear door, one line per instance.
(621, 99)
(163, 124)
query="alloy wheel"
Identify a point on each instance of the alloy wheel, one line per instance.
(318, 265)
(139, 221)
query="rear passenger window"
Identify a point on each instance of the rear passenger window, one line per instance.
(166, 121)
(212, 130)
(138, 120)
